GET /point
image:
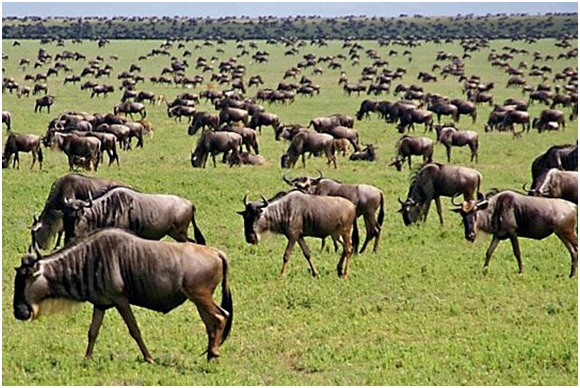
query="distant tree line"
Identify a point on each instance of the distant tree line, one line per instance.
(497, 26)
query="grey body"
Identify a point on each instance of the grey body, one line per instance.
(558, 184)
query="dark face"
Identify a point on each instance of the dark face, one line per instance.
(73, 220)
(22, 310)
(251, 215)
(468, 212)
(410, 212)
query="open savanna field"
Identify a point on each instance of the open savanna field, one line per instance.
(419, 312)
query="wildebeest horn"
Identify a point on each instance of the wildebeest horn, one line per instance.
(34, 219)
(264, 200)
(525, 189)
(401, 202)
(453, 202)
(480, 196)
(320, 174)
(290, 183)
(245, 200)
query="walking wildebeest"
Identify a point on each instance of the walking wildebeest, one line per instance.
(71, 186)
(130, 107)
(262, 118)
(341, 132)
(433, 181)
(151, 216)
(214, 143)
(297, 215)
(249, 138)
(367, 200)
(304, 142)
(15, 143)
(44, 101)
(512, 215)
(108, 143)
(563, 157)
(548, 116)
(407, 146)
(203, 120)
(114, 268)
(450, 136)
(558, 184)
(74, 146)
(465, 108)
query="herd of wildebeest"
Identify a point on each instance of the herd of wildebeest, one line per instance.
(111, 256)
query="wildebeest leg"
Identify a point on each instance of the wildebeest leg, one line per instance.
(448, 149)
(214, 318)
(306, 253)
(33, 159)
(213, 159)
(126, 312)
(490, 250)
(287, 253)
(96, 322)
(516, 249)
(373, 231)
(439, 210)
(342, 267)
(58, 238)
(571, 243)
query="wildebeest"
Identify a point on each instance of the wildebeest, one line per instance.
(450, 136)
(44, 101)
(558, 184)
(297, 215)
(228, 115)
(71, 186)
(369, 153)
(304, 142)
(409, 117)
(249, 138)
(114, 268)
(214, 143)
(17, 142)
(549, 116)
(108, 143)
(441, 108)
(130, 107)
(563, 157)
(239, 158)
(367, 200)
(7, 119)
(121, 132)
(203, 120)
(512, 215)
(407, 146)
(263, 118)
(341, 132)
(465, 108)
(433, 181)
(75, 146)
(179, 111)
(365, 107)
(151, 216)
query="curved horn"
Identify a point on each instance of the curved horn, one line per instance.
(288, 182)
(453, 202)
(264, 200)
(320, 174)
(245, 200)
(527, 190)
(401, 202)
(90, 199)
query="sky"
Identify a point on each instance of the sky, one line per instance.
(215, 9)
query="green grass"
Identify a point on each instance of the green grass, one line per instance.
(419, 312)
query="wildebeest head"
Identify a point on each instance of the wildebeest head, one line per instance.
(468, 211)
(251, 214)
(398, 162)
(73, 219)
(410, 210)
(305, 184)
(285, 160)
(25, 274)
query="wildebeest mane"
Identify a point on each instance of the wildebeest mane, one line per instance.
(398, 143)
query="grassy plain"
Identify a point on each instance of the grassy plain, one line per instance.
(419, 312)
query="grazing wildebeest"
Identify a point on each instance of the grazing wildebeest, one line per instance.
(368, 154)
(102, 89)
(145, 95)
(563, 157)
(297, 215)
(108, 143)
(150, 216)
(367, 200)
(71, 186)
(548, 116)
(44, 101)
(262, 118)
(411, 116)
(114, 268)
(558, 184)
(7, 119)
(407, 146)
(441, 108)
(15, 143)
(512, 215)
(179, 111)
(214, 143)
(203, 120)
(304, 142)
(433, 181)
(74, 146)
(320, 124)
(130, 107)
(450, 136)
(340, 132)
(365, 107)
(121, 132)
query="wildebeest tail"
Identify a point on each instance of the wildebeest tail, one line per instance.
(40, 156)
(381, 210)
(227, 302)
(355, 238)
(199, 239)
